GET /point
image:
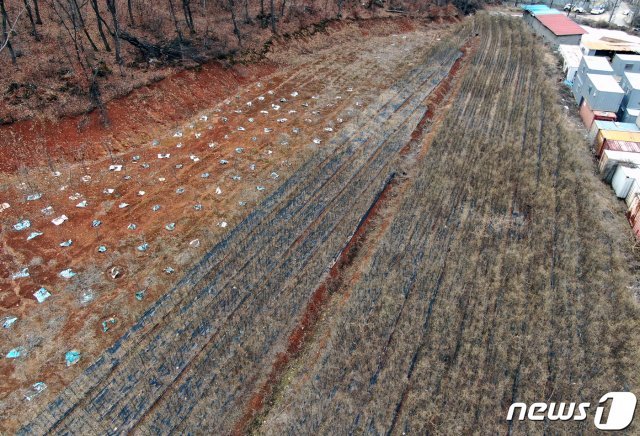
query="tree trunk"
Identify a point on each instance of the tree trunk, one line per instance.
(236, 31)
(76, 7)
(247, 18)
(130, 9)
(274, 30)
(282, 6)
(36, 9)
(99, 19)
(6, 32)
(175, 21)
(96, 98)
(111, 5)
(34, 30)
(262, 8)
(188, 17)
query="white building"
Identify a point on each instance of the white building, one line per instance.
(571, 57)
(625, 63)
(589, 65)
(630, 105)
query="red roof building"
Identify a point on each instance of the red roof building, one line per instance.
(561, 25)
(557, 29)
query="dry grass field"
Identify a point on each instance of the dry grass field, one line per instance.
(443, 251)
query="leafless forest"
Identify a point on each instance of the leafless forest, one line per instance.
(70, 56)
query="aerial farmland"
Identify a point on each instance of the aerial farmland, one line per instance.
(386, 224)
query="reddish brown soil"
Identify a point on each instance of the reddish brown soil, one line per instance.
(140, 115)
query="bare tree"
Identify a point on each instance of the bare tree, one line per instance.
(188, 16)
(34, 30)
(273, 17)
(247, 18)
(100, 21)
(236, 31)
(68, 18)
(175, 21)
(7, 31)
(36, 9)
(130, 10)
(77, 10)
(111, 5)
(614, 7)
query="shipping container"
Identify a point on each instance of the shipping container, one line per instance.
(598, 125)
(614, 135)
(622, 180)
(588, 115)
(611, 159)
(633, 196)
(631, 147)
(633, 215)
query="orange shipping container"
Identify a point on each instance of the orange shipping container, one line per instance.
(616, 136)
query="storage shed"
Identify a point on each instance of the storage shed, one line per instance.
(602, 92)
(607, 42)
(633, 215)
(630, 84)
(571, 57)
(589, 65)
(610, 160)
(625, 63)
(633, 196)
(555, 27)
(629, 115)
(622, 180)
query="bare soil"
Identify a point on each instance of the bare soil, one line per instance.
(327, 80)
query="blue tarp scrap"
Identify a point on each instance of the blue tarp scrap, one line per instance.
(41, 295)
(23, 273)
(36, 389)
(67, 273)
(34, 235)
(72, 357)
(15, 353)
(107, 323)
(24, 224)
(34, 197)
(8, 321)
